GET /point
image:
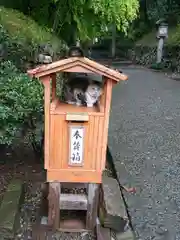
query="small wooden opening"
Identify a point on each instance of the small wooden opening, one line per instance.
(73, 220)
(59, 106)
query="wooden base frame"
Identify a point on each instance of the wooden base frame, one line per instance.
(72, 202)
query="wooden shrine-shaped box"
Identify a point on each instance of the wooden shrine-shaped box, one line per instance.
(67, 126)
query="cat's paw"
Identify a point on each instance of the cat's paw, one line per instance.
(70, 102)
(89, 105)
(78, 104)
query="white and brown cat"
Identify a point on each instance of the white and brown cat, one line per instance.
(80, 90)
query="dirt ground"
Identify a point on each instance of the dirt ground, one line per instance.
(19, 162)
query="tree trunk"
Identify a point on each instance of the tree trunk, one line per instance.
(113, 46)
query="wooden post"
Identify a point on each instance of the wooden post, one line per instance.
(54, 205)
(93, 199)
(108, 94)
(47, 95)
(113, 46)
(53, 77)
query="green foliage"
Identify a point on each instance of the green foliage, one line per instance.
(21, 104)
(91, 18)
(162, 9)
(149, 39)
(137, 30)
(158, 66)
(21, 98)
(83, 19)
(14, 50)
(174, 36)
(149, 13)
(20, 38)
(119, 12)
(25, 30)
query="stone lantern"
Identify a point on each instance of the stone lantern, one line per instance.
(162, 34)
(162, 30)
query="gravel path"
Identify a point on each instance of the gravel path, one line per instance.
(144, 135)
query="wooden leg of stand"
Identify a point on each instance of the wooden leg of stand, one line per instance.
(93, 199)
(54, 203)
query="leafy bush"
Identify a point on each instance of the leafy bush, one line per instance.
(12, 50)
(174, 37)
(25, 30)
(158, 66)
(21, 107)
(21, 98)
(21, 37)
(150, 40)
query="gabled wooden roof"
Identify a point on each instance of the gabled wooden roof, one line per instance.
(77, 64)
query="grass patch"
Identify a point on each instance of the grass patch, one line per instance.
(9, 209)
(25, 30)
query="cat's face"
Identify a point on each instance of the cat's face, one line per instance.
(94, 90)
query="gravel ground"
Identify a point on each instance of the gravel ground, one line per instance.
(28, 211)
(144, 135)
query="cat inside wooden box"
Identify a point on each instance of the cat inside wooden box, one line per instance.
(82, 89)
